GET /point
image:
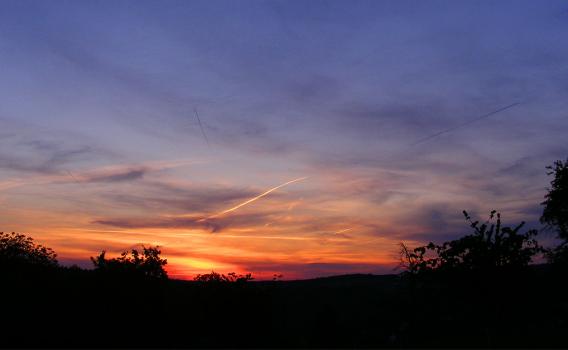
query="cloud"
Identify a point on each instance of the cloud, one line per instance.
(167, 197)
(323, 89)
(46, 160)
(120, 173)
(128, 174)
(391, 120)
(100, 175)
(30, 149)
(214, 225)
(435, 222)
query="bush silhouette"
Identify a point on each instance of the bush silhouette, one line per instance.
(145, 264)
(214, 277)
(491, 247)
(19, 249)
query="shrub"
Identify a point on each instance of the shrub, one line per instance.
(215, 277)
(491, 247)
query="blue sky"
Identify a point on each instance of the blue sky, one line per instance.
(99, 134)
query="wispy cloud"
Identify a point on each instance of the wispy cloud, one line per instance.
(29, 149)
(93, 112)
(212, 225)
(106, 174)
(128, 174)
(37, 157)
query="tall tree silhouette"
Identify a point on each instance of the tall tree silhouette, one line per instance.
(555, 213)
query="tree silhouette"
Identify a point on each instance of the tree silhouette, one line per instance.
(491, 247)
(147, 264)
(555, 213)
(19, 249)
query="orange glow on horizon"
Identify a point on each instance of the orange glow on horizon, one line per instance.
(298, 234)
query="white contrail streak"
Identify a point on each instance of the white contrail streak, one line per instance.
(346, 230)
(256, 198)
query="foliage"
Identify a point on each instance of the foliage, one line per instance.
(490, 247)
(16, 248)
(146, 264)
(410, 260)
(215, 277)
(555, 214)
(558, 255)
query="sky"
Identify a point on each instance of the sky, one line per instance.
(125, 123)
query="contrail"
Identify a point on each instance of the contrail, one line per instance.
(201, 127)
(346, 230)
(74, 178)
(464, 124)
(255, 198)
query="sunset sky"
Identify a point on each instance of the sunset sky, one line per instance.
(101, 146)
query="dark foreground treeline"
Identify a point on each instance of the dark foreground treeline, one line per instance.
(476, 291)
(78, 308)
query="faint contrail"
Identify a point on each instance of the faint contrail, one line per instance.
(464, 124)
(73, 176)
(346, 230)
(255, 198)
(201, 127)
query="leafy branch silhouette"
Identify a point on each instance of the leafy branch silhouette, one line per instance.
(17, 248)
(147, 263)
(489, 248)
